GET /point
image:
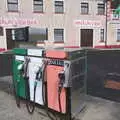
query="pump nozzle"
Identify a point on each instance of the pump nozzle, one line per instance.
(61, 76)
(39, 74)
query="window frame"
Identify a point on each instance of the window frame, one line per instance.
(85, 6)
(38, 4)
(12, 3)
(62, 33)
(99, 8)
(61, 6)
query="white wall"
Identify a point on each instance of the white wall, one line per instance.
(51, 20)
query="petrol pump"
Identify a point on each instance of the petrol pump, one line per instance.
(28, 79)
(65, 76)
(54, 78)
(36, 78)
(18, 79)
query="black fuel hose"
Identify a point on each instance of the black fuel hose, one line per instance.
(59, 101)
(29, 105)
(60, 87)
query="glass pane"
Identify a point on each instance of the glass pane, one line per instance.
(12, 7)
(59, 9)
(58, 3)
(38, 2)
(19, 34)
(38, 8)
(12, 1)
(84, 4)
(84, 10)
(101, 5)
(58, 35)
(101, 11)
(58, 31)
(58, 38)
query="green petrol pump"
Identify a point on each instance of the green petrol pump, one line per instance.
(18, 79)
(28, 67)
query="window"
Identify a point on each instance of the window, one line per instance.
(84, 8)
(13, 5)
(59, 35)
(20, 34)
(1, 31)
(38, 5)
(118, 34)
(101, 34)
(101, 9)
(59, 6)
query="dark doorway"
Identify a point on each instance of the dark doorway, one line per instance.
(86, 37)
(10, 41)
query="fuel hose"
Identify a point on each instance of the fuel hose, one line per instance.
(29, 105)
(60, 85)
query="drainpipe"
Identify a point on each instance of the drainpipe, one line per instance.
(105, 1)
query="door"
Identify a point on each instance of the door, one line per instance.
(86, 37)
(10, 42)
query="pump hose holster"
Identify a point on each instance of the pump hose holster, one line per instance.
(61, 77)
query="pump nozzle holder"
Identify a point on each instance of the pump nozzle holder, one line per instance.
(61, 76)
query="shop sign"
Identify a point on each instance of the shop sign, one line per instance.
(88, 23)
(18, 21)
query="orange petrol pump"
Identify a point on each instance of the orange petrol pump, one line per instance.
(65, 73)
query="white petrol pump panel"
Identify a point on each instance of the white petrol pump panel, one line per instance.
(34, 65)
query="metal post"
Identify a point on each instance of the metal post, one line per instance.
(106, 23)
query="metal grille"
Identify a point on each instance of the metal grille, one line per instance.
(78, 86)
(78, 72)
(103, 65)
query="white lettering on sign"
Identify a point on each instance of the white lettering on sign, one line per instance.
(18, 21)
(88, 23)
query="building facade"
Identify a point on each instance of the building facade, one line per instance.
(72, 23)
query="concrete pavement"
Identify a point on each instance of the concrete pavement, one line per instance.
(96, 108)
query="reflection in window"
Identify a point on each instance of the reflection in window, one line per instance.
(13, 5)
(38, 5)
(59, 35)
